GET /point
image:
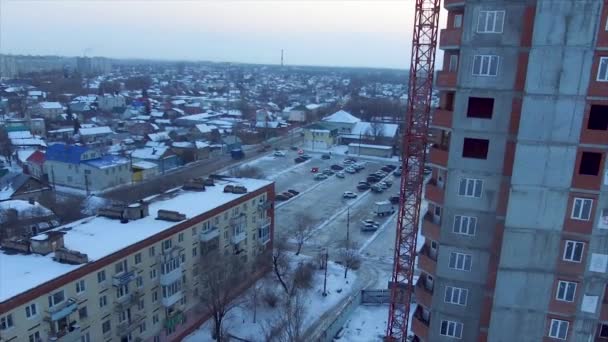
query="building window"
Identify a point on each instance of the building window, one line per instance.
(180, 237)
(460, 261)
(485, 65)
(141, 304)
(120, 267)
(139, 281)
(465, 225)
(598, 118)
(456, 295)
(155, 319)
(558, 329)
(167, 244)
(490, 21)
(602, 71)
(193, 231)
(31, 310)
(103, 301)
(82, 313)
(35, 337)
(458, 21)
(153, 274)
(565, 291)
(122, 290)
(604, 331)
(6, 322)
(56, 298)
(581, 209)
(137, 258)
(453, 66)
(194, 250)
(142, 327)
(151, 251)
(80, 286)
(101, 276)
(86, 337)
(470, 187)
(154, 296)
(573, 251)
(480, 107)
(475, 148)
(105, 326)
(451, 329)
(590, 163)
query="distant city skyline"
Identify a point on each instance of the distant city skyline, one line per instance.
(323, 33)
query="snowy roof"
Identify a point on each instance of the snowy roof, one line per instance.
(95, 130)
(25, 209)
(20, 135)
(377, 147)
(196, 117)
(150, 153)
(183, 144)
(51, 105)
(96, 236)
(204, 128)
(142, 164)
(106, 161)
(342, 117)
(160, 136)
(28, 142)
(383, 129)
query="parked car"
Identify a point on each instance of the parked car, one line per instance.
(279, 154)
(388, 182)
(306, 156)
(386, 169)
(369, 225)
(320, 176)
(280, 197)
(373, 179)
(299, 160)
(314, 169)
(351, 159)
(295, 193)
(293, 148)
(349, 194)
(300, 151)
(383, 208)
(383, 185)
(328, 172)
(350, 170)
(381, 173)
(287, 194)
(347, 162)
(336, 167)
(364, 182)
(392, 167)
(394, 199)
(397, 173)
(325, 156)
(377, 188)
(340, 174)
(363, 187)
(358, 167)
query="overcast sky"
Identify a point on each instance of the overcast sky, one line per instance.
(315, 32)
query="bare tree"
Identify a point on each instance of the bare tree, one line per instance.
(303, 229)
(6, 148)
(220, 279)
(255, 292)
(280, 262)
(350, 258)
(288, 325)
(375, 130)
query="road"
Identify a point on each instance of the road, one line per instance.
(136, 191)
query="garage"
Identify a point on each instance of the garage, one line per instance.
(370, 150)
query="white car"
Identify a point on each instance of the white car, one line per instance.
(279, 154)
(350, 170)
(349, 194)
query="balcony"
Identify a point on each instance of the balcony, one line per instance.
(426, 262)
(265, 205)
(442, 118)
(431, 227)
(449, 39)
(434, 192)
(446, 79)
(264, 231)
(123, 278)
(171, 276)
(169, 301)
(423, 294)
(126, 301)
(173, 320)
(123, 328)
(210, 234)
(420, 326)
(60, 311)
(236, 238)
(67, 335)
(439, 155)
(451, 4)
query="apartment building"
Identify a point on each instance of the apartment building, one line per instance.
(132, 273)
(516, 233)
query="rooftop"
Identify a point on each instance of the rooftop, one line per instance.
(96, 236)
(342, 117)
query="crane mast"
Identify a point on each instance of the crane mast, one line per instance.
(414, 147)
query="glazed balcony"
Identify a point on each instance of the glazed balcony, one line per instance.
(439, 155)
(62, 310)
(208, 235)
(449, 39)
(446, 79)
(71, 334)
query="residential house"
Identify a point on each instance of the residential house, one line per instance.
(318, 136)
(341, 120)
(85, 168)
(49, 110)
(162, 156)
(96, 136)
(143, 170)
(373, 133)
(191, 151)
(34, 165)
(107, 102)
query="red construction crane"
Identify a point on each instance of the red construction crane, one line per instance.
(414, 145)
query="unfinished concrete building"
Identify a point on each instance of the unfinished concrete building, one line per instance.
(517, 231)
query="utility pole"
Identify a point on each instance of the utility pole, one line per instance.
(326, 257)
(348, 228)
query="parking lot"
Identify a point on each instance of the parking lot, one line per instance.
(323, 202)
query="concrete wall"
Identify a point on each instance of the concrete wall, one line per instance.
(73, 175)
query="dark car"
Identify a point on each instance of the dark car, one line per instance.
(336, 167)
(397, 173)
(362, 187)
(291, 191)
(305, 156)
(287, 194)
(351, 159)
(299, 160)
(280, 197)
(326, 156)
(392, 167)
(294, 148)
(372, 179)
(394, 199)
(386, 169)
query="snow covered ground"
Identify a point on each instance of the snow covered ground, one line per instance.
(368, 324)
(239, 322)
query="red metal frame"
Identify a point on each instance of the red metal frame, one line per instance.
(414, 142)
